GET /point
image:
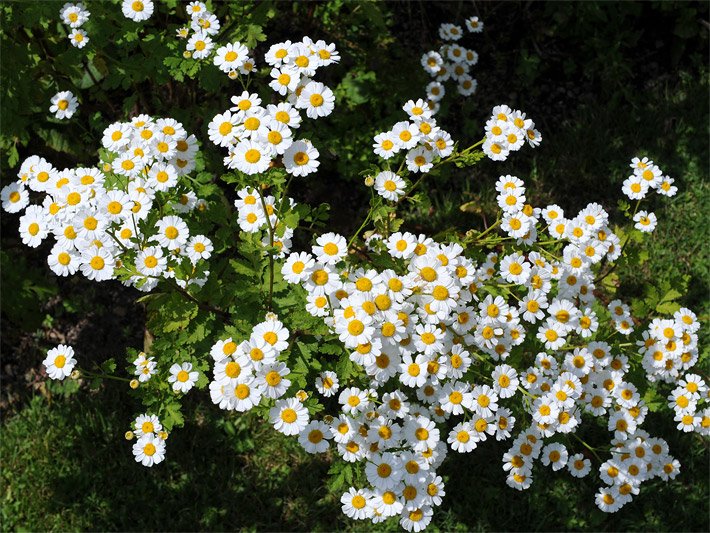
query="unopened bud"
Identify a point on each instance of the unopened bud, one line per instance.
(76, 374)
(134, 384)
(163, 435)
(129, 435)
(302, 395)
(187, 54)
(369, 181)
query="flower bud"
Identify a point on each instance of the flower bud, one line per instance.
(129, 435)
(369, 181)
(134, 384)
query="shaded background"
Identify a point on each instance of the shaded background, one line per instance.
(603, 81)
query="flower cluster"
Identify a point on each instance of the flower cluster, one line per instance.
(506, 131)
(149, 449)
(416, 332)
(588, 236)
(670, 349)
(646, 176)
(256, 135)
(254, 216)
(451, 346)
(137, 10)
(451, 61)
(99, 218)
(419, 138)
(74, 16)
(64, 105)
(248, 371)
(636, 459)
(204, 25)
(145, 367)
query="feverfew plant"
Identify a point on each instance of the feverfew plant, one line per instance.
(387, 349)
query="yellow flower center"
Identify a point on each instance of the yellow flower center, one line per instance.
(252, 156)
(171, 232)
(301, 158)
(288, 415)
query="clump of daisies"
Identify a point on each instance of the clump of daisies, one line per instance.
(149, 449)
(137, 10)
(232, 59)
(506, 131)
(452, 347)
(98, 218)
(647, 176)
(203, 26)
(245, 372)
(64, 105)
(258, 136)
(421, 141)
(74, 16)
(255, 216)
(451, 62)
(414, 330)
(144, 367)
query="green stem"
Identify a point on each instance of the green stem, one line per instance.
(283, 195)
(362, 226)
(489, 229)
(204, 306)
(271, 255)
(120, 244)
(86, 373)
(623, 247)
(411, 189)
(588, 447)
(521, 389)
(550, 254)
(479, 143)
(364, 222)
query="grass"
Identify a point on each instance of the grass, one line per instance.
(66, 466)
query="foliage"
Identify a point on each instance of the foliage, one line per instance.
(244, 284)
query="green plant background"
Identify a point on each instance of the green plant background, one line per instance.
(603, 81)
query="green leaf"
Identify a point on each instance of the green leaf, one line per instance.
(171, 415)
(668, 308)
(108, 366)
